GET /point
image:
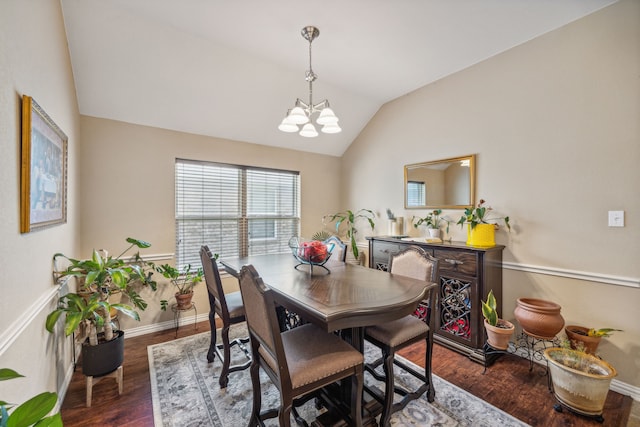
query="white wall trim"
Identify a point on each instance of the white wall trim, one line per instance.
(625, 389)
(632, 282)
(21, 323)
(185, 322)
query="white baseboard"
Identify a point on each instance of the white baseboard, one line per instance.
(162, 326)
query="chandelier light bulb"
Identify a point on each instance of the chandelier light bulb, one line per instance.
(309, 131)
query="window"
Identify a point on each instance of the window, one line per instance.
(236, 210)
(416, 193)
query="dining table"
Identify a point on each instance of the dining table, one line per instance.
(343, 297)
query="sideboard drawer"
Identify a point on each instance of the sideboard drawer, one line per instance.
(457, 262)
(382, 251)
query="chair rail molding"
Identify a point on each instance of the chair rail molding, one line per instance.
(22, 322)
(631, 282)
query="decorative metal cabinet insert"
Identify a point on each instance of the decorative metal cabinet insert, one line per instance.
(465, 276)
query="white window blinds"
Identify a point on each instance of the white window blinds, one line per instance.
(416, 193)
(235, 210)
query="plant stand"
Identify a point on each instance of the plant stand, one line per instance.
(177, 312)
(91, 381)
(559, 407)
(527, 347)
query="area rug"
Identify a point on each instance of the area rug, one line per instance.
(186, 393)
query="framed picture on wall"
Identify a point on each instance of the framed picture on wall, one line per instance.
(43, 183)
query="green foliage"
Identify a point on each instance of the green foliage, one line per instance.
(432, 220)
(33, 412)
(321, 235)
(603, 332)
(184, 280)
(99, 277)
(489, 309)
(349, 218)
(480, 215)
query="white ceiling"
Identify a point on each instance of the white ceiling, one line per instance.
(232, 68)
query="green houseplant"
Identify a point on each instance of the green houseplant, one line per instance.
(499, 331)
(32, 412)
(88, 312)
(184, 280)
(433, 221)
(350, 217)
(481, 224)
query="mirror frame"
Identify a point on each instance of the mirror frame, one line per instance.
(472, 182)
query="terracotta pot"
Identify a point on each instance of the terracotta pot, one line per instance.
(578, 337)
(539, 318)
(184, 300)
(497, 337)
(580, 381)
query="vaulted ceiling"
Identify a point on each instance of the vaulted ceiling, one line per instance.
(232, 69)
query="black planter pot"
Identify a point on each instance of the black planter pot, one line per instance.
(104, 358)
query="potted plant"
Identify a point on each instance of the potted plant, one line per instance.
(184, 281)
(432, 221)
(481, 226)
(586, 339)
(350, 217)
(499, 331)
(580, 380)
(32, 412)
(89, 312)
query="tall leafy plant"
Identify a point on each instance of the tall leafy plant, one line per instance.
(98, 277)
(349, 218)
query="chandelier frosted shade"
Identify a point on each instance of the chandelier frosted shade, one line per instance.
(326, 117)
(308, 131)
(297, 116)
(331, 128)
(303, 113)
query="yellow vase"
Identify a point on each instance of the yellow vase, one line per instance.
(483, 235)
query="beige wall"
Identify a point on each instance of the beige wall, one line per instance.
(128, 188)
(34, 61)
(555, 126)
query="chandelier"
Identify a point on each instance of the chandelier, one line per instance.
(301, 113)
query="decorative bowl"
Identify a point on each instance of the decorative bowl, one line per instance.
(310, 252)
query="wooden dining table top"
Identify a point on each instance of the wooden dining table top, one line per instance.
(350, 296)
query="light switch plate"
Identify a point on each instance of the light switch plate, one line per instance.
(616, 218)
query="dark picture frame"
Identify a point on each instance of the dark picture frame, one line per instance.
(43, 172)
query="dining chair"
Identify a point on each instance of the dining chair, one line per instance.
(413, 262)
(299, 361)
(230, 309)
(338, 249)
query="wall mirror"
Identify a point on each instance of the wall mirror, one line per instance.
(441, 184)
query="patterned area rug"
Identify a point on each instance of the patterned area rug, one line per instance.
(185, 392)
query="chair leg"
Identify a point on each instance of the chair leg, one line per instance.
(254, 370)
(389, 388)
(226, 360)
(284, 414)
(357, 384)
(211, 354)
(431, 393)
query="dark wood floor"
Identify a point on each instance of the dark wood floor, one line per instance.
(508, 385)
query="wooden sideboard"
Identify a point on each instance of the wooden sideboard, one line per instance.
(465, 276)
